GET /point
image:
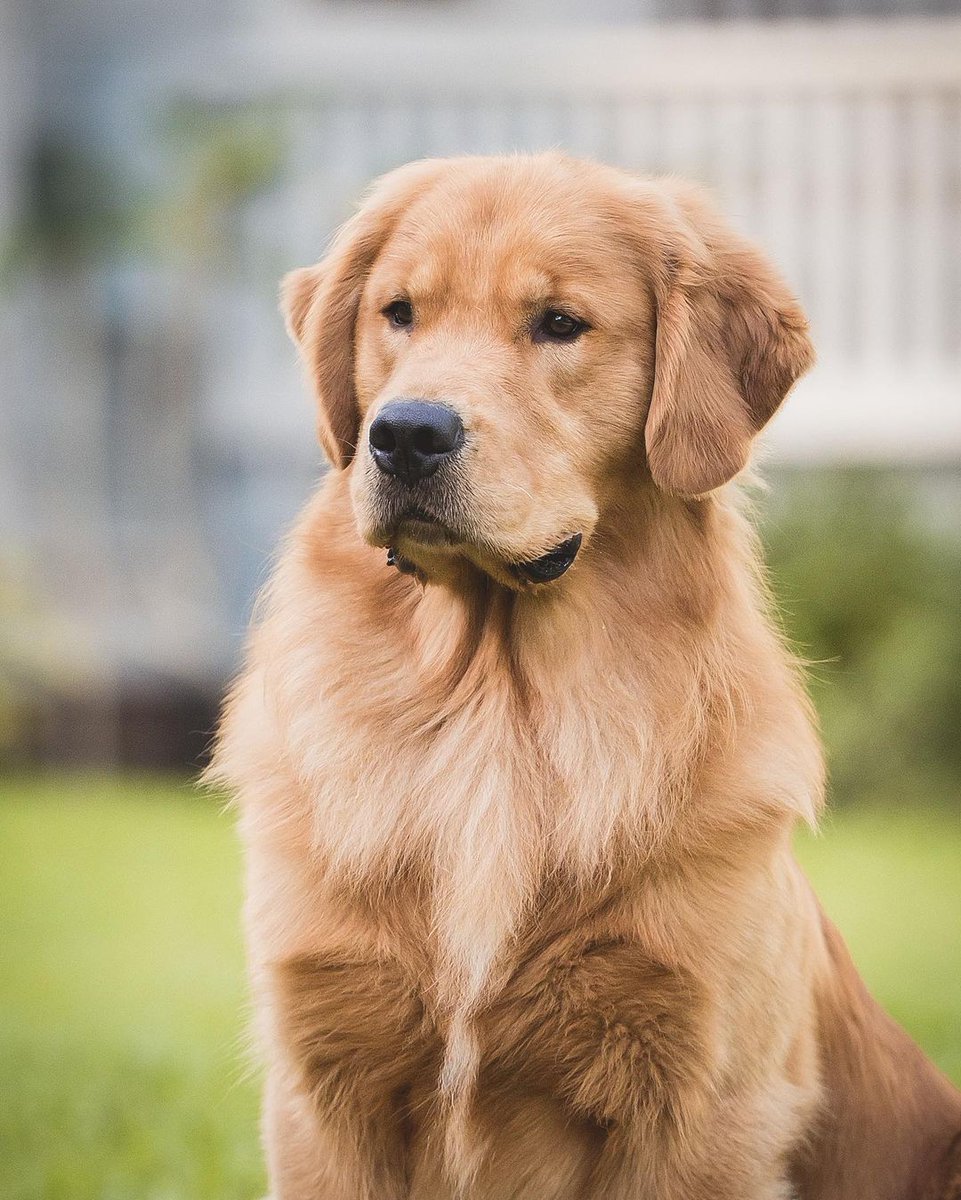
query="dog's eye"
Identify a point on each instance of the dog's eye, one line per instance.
(400, 313)
(557, 326)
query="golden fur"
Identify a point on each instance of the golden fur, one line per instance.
(523, 915)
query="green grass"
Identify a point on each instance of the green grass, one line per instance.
(123, 1073)
(122, 1009)
(890, 879)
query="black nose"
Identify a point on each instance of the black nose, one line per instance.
(410, 438)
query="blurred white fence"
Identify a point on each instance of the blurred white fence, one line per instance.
(836, 145)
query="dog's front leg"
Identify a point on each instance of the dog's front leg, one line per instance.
(300, 1161)
(622, 1173)
(350, 1036)
(342, 1155)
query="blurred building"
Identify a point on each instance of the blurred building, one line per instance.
(164, 163)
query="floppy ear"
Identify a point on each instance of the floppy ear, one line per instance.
(731, 340)
(320, 305)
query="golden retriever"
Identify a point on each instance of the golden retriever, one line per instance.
(517, 796)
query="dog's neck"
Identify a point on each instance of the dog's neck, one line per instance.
(660, 578)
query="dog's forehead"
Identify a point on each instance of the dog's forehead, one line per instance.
(508, 230)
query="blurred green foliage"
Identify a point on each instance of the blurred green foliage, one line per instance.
(890, 879)
(866, 568)
(84, 206)
(36, 650)
(225, 159)
(75, 209)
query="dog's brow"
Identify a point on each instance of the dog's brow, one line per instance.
(425, 280)
(536, 285)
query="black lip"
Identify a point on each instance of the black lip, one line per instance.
(404, 565)
(551, 565)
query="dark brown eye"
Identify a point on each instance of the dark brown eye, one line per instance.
(557, 326)
(400, 314)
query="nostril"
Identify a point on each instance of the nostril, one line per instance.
(382, 436)
(440, 432)
(426, 441)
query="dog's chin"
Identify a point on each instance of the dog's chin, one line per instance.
(422, 543)
(430, 551)
(426, 532)
(415, 528)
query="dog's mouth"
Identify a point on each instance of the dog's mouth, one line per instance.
(551, 565)
(417, 514)
(417, 524)
(427, 520)
(414, 523)
(421, 525)
(545, 569)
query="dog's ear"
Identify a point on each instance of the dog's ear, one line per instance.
(730, 342)
(320, 304)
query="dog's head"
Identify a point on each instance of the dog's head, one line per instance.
(502, 346)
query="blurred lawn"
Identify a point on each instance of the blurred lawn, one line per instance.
(124, 1075)
(122, 1011)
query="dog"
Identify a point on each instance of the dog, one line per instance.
(518, 748)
